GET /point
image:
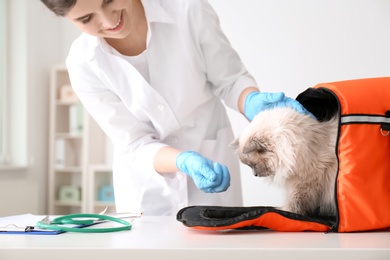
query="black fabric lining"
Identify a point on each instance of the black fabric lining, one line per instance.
(215, 216)
(320, 102)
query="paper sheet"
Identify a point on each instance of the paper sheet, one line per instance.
(23, 224)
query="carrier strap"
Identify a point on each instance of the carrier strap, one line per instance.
(366, 119)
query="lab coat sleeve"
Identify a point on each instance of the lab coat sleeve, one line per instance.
(225, 70)
(135, 139)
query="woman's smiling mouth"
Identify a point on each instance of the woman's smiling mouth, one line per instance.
(117, 26)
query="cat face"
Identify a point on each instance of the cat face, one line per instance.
(258, 152)
(270, 143)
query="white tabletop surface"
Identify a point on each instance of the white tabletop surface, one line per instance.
(166, 238)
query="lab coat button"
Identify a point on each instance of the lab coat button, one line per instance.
(160, 107)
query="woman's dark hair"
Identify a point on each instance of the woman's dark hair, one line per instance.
(59, 7)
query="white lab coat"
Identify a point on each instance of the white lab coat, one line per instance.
(192, 67)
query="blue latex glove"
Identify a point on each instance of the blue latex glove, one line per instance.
(208, 177)
(256, 102)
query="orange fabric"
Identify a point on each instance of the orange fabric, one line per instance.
(274, 221)
(363, 183)
(362, 96)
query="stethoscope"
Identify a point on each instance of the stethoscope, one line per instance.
(80, 223)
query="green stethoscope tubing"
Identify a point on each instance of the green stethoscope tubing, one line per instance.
(57, 223)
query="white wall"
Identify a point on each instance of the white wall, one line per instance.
(287, 46)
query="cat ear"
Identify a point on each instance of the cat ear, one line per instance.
(234, 145)
(253, 146)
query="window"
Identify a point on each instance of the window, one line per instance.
(3, 92)
(13, 85)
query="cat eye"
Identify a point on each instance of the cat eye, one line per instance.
(262, 149)
(254, 146)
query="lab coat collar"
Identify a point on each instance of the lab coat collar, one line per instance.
(155, 12)
(92, 43)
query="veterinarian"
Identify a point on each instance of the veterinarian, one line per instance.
(154, 74)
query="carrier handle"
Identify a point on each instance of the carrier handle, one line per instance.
(383, 133)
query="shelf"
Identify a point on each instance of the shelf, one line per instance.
(67, 204)
(76, 144)
(103, 204)
(101, 188)
(68, 136)
(66, 103)
(68, 170)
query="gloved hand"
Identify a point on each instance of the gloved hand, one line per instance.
(208, 177)
(256, 102)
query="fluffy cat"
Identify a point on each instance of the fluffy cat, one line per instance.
(297, 152)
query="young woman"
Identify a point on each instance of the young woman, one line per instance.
(155, 75)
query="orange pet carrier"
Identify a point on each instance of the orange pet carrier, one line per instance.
(362, 192)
